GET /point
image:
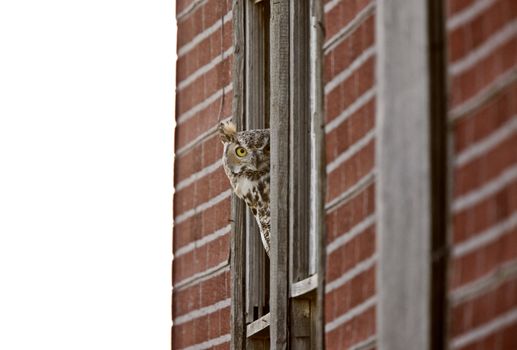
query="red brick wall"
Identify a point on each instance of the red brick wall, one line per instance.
(201, 276)
(482, 48)
(349, 58)
(482, 73)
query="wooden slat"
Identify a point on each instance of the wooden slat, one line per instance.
(238, 242)
(411, 219)
(305, 286)
(439, 172)
(279, 109)
(257, 117)
(318, 174)
(258, 325)
(300, 163)
(300, 324)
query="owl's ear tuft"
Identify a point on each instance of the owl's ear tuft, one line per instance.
(227, 131)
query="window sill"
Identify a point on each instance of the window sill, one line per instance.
(304, 286)
(257, 327)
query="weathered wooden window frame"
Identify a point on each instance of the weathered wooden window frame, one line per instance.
(411, 190)
(293, 99)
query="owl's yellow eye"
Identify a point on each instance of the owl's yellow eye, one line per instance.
(241, 152)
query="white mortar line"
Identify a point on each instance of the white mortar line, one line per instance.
(495, 185)
(188, 9)
(351, 151)
(490, 45)
(202, 312)
(485, 145)
(210, 343)
(203, 35)
(345, 74)
(204, 104)
(366, 344)
(204, 69)
(196, 176)
(350, 27)
(350, 314)
(202, 241)
(202, 207)
(199, 138)
(350, 234)
(202, 276)
(351, 109)
(358, 268)
(481, 332)
(351, 192)
(468, 14)
(330, 5)
(484, 283)
(488, 236)
(476, 101)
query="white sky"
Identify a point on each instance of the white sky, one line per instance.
(86, 126)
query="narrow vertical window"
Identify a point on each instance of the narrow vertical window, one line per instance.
(277, 300)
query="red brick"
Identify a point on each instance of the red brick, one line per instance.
(485, 214)
(201, 191)
(341, 15)
(225, 346)
(181, 5)
(351, 294)
(198, 226)
(349, 90)
(482, 122)
(350, 333)
(455, 6)
(201, 18)
(350, 213)
(500, 339)
(484, 260)
(204, 120)
(202, 258)
(486, 167)
(203, 87)
(350, 131)
(472, 81)
(482, 309)
(205, 293)
(350, 171)
(347, 256)
(474, 33)
(199, 157)
(342, 55)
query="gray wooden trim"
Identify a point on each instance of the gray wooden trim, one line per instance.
(440, 177)
(300, 143)
(279, 120)
(300, 325)
(257, 117)
(238, 242)
(404, 154)
(305, 286)
(318, 163)
(258, 325)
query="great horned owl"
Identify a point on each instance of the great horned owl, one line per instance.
(246, 163)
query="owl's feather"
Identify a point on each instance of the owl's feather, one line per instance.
(248, 171)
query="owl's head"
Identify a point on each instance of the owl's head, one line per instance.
(244, 151)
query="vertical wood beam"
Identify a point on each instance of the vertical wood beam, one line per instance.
(409, 229)
(257, 117)
(439, 172)
(279, 120)
(299, 148)
(238, 242)
(318, 163)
